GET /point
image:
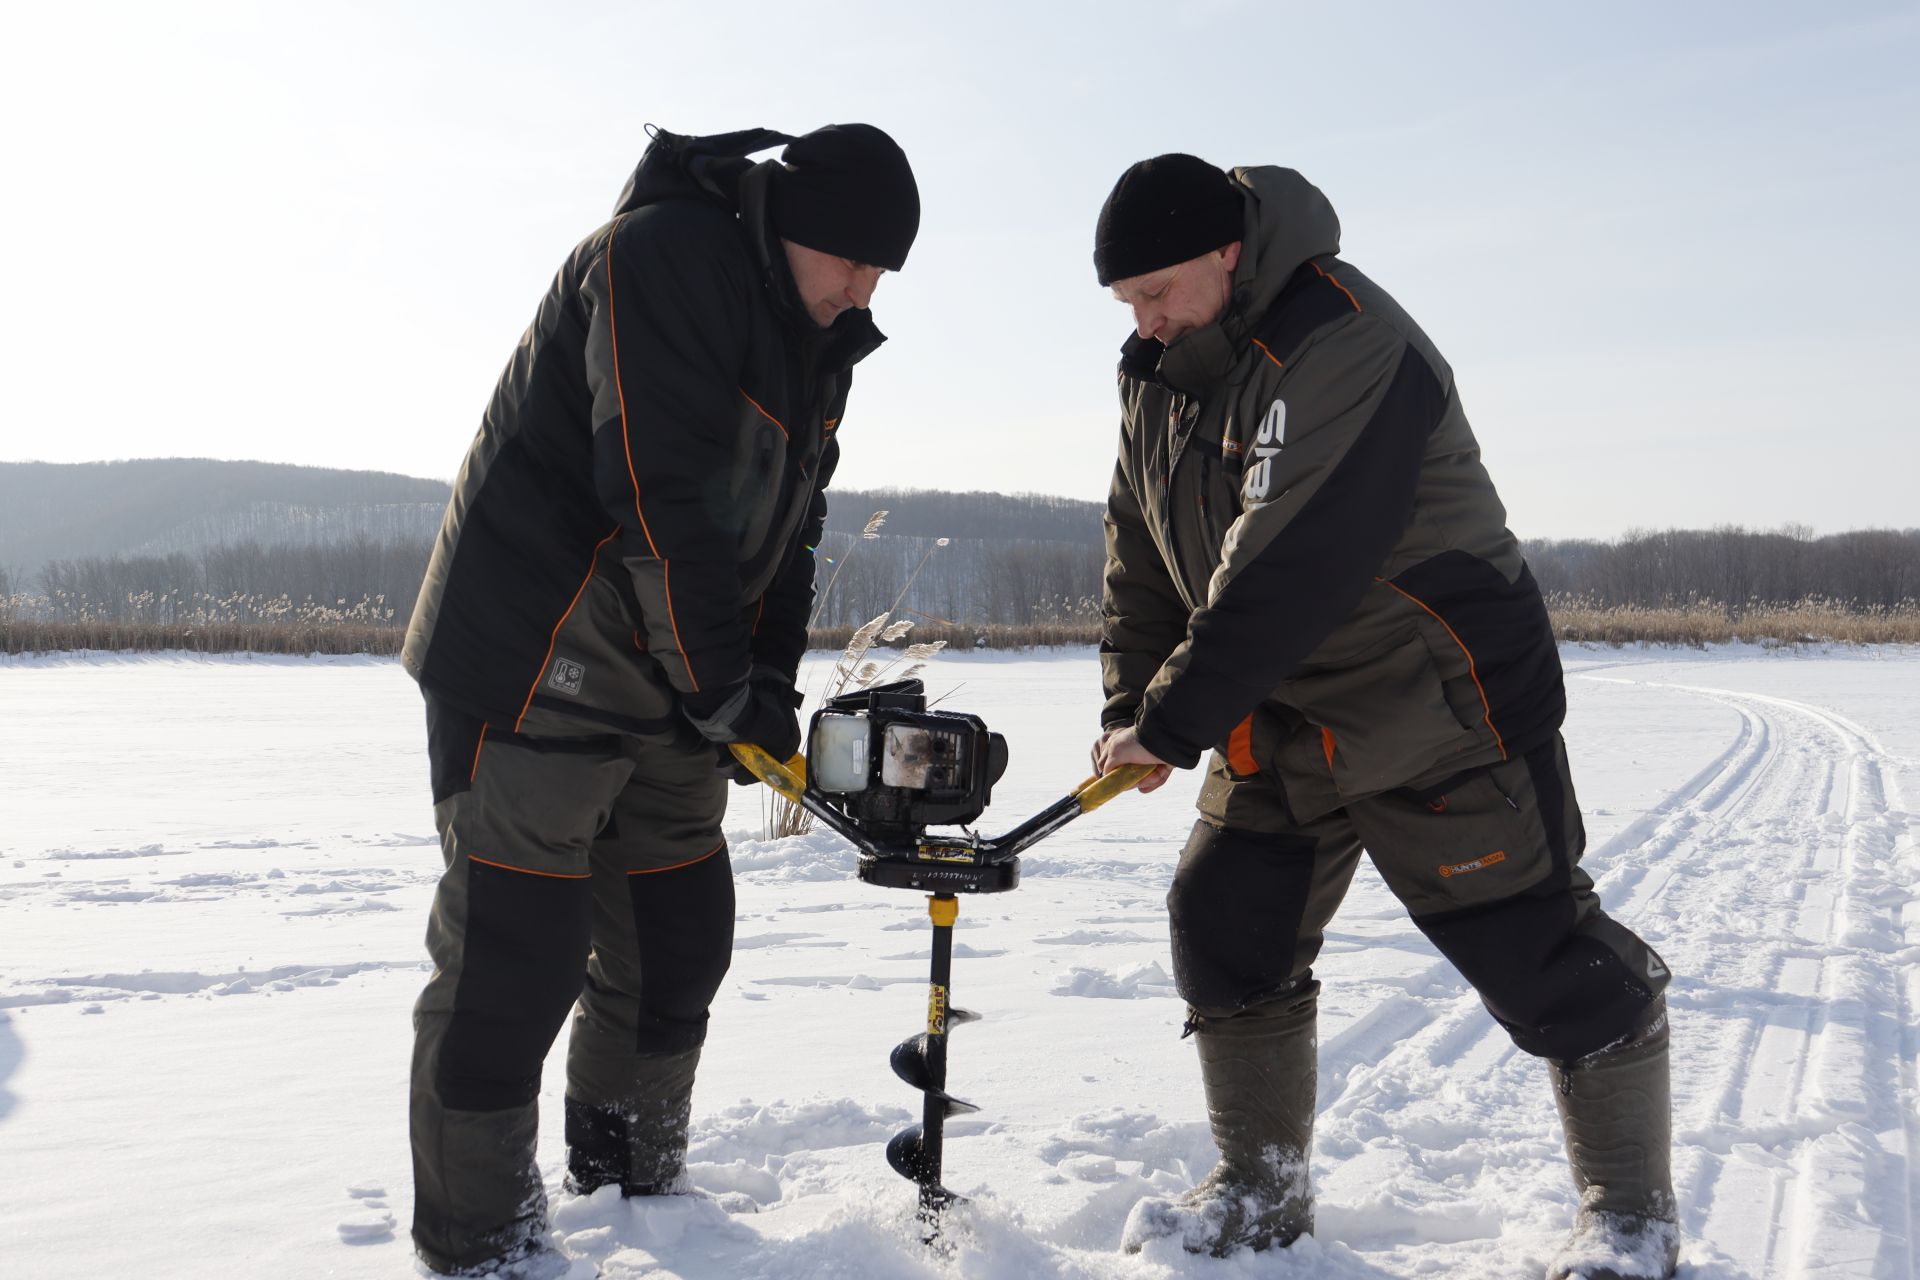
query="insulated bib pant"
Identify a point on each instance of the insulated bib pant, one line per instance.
(586, 868)
(1486, 862)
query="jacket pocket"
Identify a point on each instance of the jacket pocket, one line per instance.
(1388, 718)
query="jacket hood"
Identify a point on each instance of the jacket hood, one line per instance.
(678, 167)
(715, 169)
(1288, 221)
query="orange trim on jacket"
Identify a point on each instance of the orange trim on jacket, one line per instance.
(1269, 352)
(620, 391)
(478, 743)
(554, 639)
(763, 413)
(1472, 670)
(1336, 284)
(626, 443)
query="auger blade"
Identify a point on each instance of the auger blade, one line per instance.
(909, 1061)
(909, 1159)
(957, 1016)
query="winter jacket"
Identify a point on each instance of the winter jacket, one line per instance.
(634, 524)
(1307, 565)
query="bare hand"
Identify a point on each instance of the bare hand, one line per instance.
(1121, 746)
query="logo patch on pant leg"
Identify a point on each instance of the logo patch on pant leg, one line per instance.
(1461, 868)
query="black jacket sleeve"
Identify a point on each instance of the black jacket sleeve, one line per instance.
(780, 630)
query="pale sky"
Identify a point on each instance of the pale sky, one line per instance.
(1668, 248)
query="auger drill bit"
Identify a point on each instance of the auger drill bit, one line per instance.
(921, 1060)
(946, 865)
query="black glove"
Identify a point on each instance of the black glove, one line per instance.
(759, 710)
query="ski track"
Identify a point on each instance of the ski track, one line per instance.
(1774, 882)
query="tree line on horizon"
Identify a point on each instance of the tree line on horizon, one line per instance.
(973, 583)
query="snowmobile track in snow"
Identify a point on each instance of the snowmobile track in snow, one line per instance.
(1774, 882)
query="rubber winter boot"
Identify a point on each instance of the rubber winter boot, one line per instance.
(1616, 1106)
(1259, 1071)
(640, 1144)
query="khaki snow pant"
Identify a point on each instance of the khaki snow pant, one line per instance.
(588, 868)
(1486, 862)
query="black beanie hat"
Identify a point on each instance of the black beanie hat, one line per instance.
(1162, 211)
(847, 190)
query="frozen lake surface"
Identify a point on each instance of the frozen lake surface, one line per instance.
(214, 878)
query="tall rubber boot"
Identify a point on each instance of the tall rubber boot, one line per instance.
(1259, 1071)
(1616, 1106)
(640, 1144)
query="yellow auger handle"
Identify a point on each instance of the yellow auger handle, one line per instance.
(1100, 788)
(789, 779)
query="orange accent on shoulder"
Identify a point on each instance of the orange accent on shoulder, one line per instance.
(1269, 352)
(546, 875)
(758, 609)
(654, 871)
(763, 413)
(1472, 670)
(481, 742)
(1240, 747)
(555, 637)
(626, 440)
(1336, 284)
(1327, 744)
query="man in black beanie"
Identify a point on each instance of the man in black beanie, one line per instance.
(1309, 574)
(619, 592)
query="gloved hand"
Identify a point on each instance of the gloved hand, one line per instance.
(759, 710)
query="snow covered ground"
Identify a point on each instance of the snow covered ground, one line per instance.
(214, 876)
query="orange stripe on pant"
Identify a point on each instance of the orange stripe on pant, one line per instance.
(654, 871)
(549, 875)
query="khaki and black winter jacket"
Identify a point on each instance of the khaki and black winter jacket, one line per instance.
(1307, 565)
(634, 524)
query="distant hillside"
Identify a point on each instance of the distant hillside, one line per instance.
(154, 506)
(192, 528)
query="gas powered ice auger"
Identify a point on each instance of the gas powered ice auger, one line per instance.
(879, 769)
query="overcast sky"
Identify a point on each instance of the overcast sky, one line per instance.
(1669, 249)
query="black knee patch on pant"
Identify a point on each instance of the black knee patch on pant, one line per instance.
(1553, 976)
(1235, 911)
(523, 959)
(1559, 991)
(683, 920)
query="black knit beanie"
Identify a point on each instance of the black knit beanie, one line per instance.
(847, 190)
(1162, 211)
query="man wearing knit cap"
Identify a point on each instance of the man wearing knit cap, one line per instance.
(1309, 575)
(619, 592)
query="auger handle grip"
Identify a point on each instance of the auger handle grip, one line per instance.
(1100, 788)
(789, 779)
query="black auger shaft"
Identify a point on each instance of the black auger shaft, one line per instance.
(921, 1061)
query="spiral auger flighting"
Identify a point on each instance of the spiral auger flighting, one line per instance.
(921, 1060)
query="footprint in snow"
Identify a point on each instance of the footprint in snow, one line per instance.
(370, 1222)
